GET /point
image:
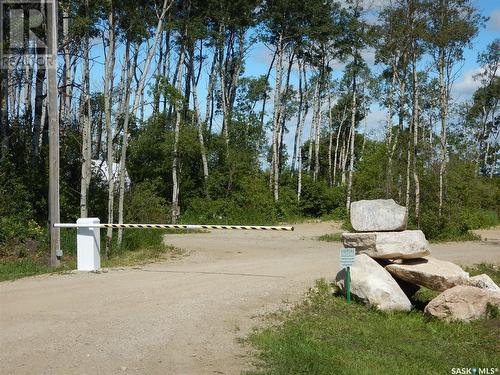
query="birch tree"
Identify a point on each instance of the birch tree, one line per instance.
(452, 24)
(86, 128)
(108, 92)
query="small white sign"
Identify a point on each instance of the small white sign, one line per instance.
(347, 257)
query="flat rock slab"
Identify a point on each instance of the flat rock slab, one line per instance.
(408, 244)
(373, 285)
(483, 281)
(377, 215)
(462, 302)
(430, 272)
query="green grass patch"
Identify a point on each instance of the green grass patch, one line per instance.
(325, 335)
(333, 237)
(138, 247)
(11, 269)
(455, 237)
(491, 270)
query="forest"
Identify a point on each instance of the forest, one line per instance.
(252, 112)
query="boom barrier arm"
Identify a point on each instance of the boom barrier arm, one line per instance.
(174, 226)
(88, 237)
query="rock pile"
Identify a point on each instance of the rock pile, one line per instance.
(392, 263)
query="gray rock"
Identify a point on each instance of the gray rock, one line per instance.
(373, 285)
(432, 273)
(482, 281)
(408, 244)
(462, 302)
(377, 215)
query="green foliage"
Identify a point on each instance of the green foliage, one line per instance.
(457, 225)
(492, 311)
(144, 205)
(319, 199)
(252, 203)
(370, 175)
(325, 335)
(20, 234)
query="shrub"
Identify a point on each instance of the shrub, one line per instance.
(478, 218)
(145, 205)
(319, 199)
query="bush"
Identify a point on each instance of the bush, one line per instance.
(318, 199)
(145, 205)
(478, 218)
(456, 225)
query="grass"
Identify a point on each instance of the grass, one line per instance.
(469, 236)
(333, 237)
(138, 247)
(11, 269)
(491, 270)
(325, 335)
(454, 237)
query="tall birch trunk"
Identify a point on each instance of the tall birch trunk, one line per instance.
(139, 95)
(443, 95)
(388, 187)
(415, 121)
(39, 99)
(299, 117)
(28, 87)
(299, 140)
(312, 133)
(199, 124)
(175, 210)
(86, 132)
(353, 136)
(108, 92)
(317, 138)
(339, 132)
(224, 93)
(126, 118)
(4, 84)
(276, 120)
(210, 90)
(67, 65)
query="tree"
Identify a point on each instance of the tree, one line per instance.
(451, 26)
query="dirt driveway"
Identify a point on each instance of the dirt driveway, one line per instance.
(176, 317)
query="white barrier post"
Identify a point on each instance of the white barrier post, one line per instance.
(88, 244)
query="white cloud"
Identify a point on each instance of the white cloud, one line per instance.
(374, 123)
(464, 89)
(494, 22)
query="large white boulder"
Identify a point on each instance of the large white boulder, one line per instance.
(482, 281)
(373, 285)
(430, 272)
(408, 244)
(377, 215)
(463, 303)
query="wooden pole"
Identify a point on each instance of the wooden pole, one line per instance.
(54, 214)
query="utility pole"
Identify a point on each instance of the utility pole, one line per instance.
(54, 214)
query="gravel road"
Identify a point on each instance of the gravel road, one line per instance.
(181, 316)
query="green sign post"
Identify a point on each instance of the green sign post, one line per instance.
(347, 257)
(348, 284)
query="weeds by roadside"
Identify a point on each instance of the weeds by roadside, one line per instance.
(138, 247)
(325, 335)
